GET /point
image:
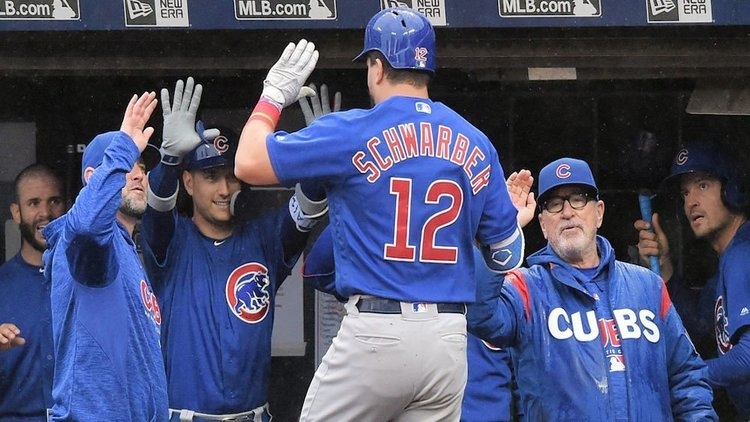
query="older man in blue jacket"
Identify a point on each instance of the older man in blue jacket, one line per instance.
(591, 338)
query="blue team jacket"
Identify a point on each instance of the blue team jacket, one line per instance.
(105, 318)
(553, 328)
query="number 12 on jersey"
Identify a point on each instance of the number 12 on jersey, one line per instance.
(402, 249)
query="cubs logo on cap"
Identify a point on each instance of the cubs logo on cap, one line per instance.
(565, 171)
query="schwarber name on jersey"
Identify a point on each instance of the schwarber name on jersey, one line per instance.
(421, 179)
(399, 143)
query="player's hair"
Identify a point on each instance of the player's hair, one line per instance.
(35, 170)
(417, 78)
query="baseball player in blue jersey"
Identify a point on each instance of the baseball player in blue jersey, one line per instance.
(105, 317)
(591, 338)
(215, 280)
(26, 371)
(411, 185)
(712, 187)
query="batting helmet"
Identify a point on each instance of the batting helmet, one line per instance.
(703, 157)
(404, 36)
(216, 152)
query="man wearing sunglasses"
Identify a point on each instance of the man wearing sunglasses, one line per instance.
(591, 338)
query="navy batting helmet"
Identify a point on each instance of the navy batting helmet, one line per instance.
(703, 157)
(216, 152)
(404, 36)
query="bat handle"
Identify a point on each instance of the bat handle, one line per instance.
(645, 202)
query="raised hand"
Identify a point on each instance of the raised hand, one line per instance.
(654, 243)
(137, 113)
(284, 83)
(519, 188)
(318, 105)
(179, 134)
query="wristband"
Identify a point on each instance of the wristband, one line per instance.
(266, 111)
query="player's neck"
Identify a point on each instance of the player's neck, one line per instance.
(722, 239)
(387, 91)
(213, 230)
(128, 221)
(30, 255)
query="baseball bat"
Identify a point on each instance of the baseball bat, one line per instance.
(644, 199)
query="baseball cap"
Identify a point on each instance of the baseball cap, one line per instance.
(93, 154)
(565, 171)
(217, 153)
(699, 157)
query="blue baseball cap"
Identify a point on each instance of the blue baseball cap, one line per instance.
(93, 154)
(218, 153)
(565, 171)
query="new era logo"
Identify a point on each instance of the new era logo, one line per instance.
(744, 311)
(138, 9)
(661, 6)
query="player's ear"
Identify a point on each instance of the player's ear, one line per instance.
(187, 181)
(15, 211)
(87, 174)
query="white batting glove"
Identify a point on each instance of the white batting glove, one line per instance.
(319, 105)
(179, 135)
(284, 82)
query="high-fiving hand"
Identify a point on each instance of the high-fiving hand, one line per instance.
(284, 83)
(318, 105)
(136, 116)
(179, 134)
(519, 188)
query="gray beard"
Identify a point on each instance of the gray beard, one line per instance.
(132, 208)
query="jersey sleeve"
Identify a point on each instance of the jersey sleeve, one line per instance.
(301, 156)
(91, 220)
(736, 276)
(500, 306)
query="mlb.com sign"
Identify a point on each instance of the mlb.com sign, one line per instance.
(550, 8)
(284, 9)
(40, 9)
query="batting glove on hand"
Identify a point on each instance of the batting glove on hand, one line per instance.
(319, 105)
(179, 135)
(284, 82)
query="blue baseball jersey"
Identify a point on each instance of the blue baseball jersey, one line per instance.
(410, 185)
(218, 300)
(105, 317)
(26, 371)
(732, 312)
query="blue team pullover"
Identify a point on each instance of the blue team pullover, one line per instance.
(106, 319)
(551, 318)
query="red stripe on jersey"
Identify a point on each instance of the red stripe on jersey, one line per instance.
(666, 301)
(519, 282)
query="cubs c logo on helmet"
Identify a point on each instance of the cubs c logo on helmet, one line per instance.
(221, 143)
(681, 157)
(247, 292)
(563, 171)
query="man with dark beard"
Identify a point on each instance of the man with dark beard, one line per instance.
(26, 372)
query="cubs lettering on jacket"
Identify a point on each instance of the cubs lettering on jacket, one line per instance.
(629, 324)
